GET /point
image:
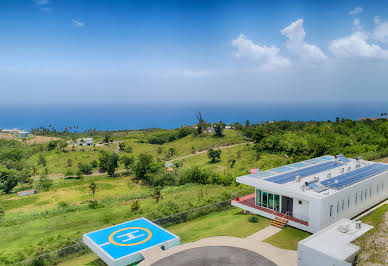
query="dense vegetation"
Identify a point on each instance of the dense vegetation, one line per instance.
(90, 187)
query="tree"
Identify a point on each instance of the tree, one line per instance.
(214, 155)
(218, 128)
(93, 188)
(44, 183)
(109, 162)
(85, 168)
(107, 138)
(7, 180)
(128, 162)
(201, 125)
(122, 146)
(62, 145)
(24, 176)
(247, 123)
(42, 160)
(69, 162)
(143, 165)
(157, 195)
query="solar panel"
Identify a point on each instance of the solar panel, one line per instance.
(261, 174)
(315, 160)
(355, 176)
(317, 187)
(299, 165)
(343, 159)
(282, 169)
(288, 177)
(326, 158)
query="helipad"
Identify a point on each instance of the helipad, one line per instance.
(122, 244)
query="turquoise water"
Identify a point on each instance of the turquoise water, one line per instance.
(172, 115)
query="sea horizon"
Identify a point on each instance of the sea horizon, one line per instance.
(135, 116)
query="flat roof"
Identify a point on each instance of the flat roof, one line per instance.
(325, 175)
(334, 243)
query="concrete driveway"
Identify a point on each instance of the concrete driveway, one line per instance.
(217, 256)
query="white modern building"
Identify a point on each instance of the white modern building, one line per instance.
(315, 193)
(85, 142)
(332, 245)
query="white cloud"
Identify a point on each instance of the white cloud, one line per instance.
(78, 23)
(381, 32)
(356, 10)
(296, 44)
(268, 57)
(356, 46)
(376, 19)
(357, 24)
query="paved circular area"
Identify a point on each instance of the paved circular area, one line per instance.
(215, 256)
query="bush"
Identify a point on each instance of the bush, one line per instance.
(253, 219)
(168, 208)
(63, 204)
(93, 204)
(85, 168)
(44, 183)
(94, 164)
(135, 206)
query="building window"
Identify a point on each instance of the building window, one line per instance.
(277, 202)
(361, 196)
(365, 194)
(258, 197)
(265, 200)
(331, 210)
(337, 207)
(370, 192)
(382, 186)
(270, 200)
(343, 204)
(377, 188)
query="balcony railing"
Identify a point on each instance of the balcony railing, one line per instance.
(249, 200)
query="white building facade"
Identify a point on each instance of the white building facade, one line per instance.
(316, 193)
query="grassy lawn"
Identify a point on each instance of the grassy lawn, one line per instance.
(223, 223)
(287, 238)
(373, 244)
(37, 223)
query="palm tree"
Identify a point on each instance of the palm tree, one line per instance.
(92, 188)
(157, 194)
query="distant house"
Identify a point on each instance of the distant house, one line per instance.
(85, 142)
(169, 165)
(23, 133)
(210, 130)
(20, 133)
(26, 192)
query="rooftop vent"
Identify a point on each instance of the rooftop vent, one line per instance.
(298, 178)
(343, 228)
(358, 224)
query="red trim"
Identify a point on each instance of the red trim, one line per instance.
(249, 200)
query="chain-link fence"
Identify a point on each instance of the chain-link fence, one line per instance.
(79, 248)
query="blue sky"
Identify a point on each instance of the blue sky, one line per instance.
(54, 51)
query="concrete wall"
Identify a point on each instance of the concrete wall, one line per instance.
(349, 193)
(311, 257)
(300, 209)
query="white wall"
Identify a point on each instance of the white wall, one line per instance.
(350, 192)
(311, 257)
(300, 211)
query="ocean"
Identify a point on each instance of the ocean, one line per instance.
(173, 115)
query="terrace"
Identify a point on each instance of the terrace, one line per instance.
(249, 201)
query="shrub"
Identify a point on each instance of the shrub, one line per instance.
(69, 173)
(44, 183)
(135, 206)
(94, 163)
(85, 168)
(63, 204)
(93, 204)
(253, 219)
(168, 208)
(79, 174)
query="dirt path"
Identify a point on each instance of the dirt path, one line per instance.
(205, 151)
